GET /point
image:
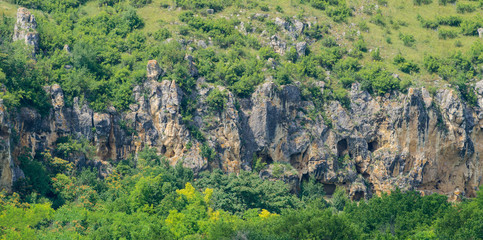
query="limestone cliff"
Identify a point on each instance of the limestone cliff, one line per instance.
(414, 140)
(26, 29)
(411, 141)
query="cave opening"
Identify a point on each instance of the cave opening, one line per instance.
(342, 148)
(305, 177)
(329, 188)
(358, 196)
(261, 158)
(372, 146)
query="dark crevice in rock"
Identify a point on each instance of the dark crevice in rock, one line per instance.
(329, 188)
(342, 148)
(372, 146)
(358, 196)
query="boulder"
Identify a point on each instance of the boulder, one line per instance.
(154, 70)
(301, 48)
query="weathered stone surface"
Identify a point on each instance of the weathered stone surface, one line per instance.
(154, 70)
(278, 45)
(259, 16)
(191, 66)
(25, 29)
(411, 141)
(7, 173)
(202, 44)
(301, 48)
(293, 27)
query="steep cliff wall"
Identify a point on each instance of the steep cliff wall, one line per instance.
(410, 141)
(414, 140)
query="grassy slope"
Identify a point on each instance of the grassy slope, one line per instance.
(7, 9)
(427, 41)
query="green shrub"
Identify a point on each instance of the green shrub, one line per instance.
(108, 2)
(446, 33)
(431, 63)
(139, 3)
(339, 199)
(465, 8)
(378, 19)
(444, 2)
(292, 55)
(339, 13)
(342, 96)
(476, 52)
(470, 27)
(316, 31)
(267, 52)
(376, 55)
(407, 39)
(329, 42)
(454, 21)
(200, 4)
(216, 100)
(282, 76)
(207, 152)
(310, 66)
(162, 34)
(422, 2)
(375, 79)
(279, 9)
(429, 24)
(348, 64)
(319, 4)
(465, 88)
(258, 164)
(363, 26)
(458, 43)
(408, 67)
(264, 8)
(360, 45)
(404, 85)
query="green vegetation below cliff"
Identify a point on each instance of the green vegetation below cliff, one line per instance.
(156, 201)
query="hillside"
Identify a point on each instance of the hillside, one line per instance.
(240, 119)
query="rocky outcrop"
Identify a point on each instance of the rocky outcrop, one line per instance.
(192, 69)
(293, 27)
(154, 70)
(25, 28)
(430, 143)
(301, 48)
(278, 45)
(6, 162)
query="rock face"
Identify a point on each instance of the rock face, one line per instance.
(278, 45)
(6, 163)
(25, 28)
(154, 70)
(301, 48)
(410, 141)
